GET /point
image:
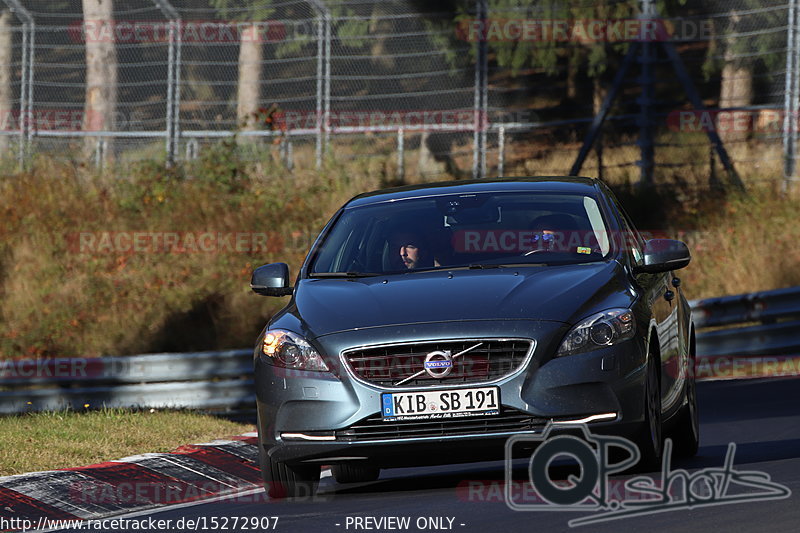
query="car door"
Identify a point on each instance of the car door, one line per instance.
(663, 300)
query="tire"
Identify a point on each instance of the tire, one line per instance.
(650, 439)
(355, 473)
(282, 480)
(686, 432)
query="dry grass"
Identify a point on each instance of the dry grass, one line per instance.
(746, 244)
(57, 301)
(48, 441)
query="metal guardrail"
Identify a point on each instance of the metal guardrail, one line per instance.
(202, 380)
(754, 307)
(223, 380)
(735, 334)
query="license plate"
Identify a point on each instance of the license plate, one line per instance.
(431, 405)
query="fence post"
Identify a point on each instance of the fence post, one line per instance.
(501, 149)
(192, 149)
(100, 153)
(23, 96)
(401, 170)
(173, 77)
(647, 100)
(327, 103)
(480, 101)
(323, 78)
(31, 57)
(26, 77)
(320, 75)
(176, 104)
(791, 105)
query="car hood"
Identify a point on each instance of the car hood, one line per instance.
(553, 293)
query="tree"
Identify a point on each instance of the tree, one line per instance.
(550, 53)
(251, 15)
(751, 38)
(101, 70)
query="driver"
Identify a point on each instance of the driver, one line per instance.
(551, 232)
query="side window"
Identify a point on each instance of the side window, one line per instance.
(636, 249)
(632, 241)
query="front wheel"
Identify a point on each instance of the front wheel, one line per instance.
(283, 480)
(686, 433)
(650, 439)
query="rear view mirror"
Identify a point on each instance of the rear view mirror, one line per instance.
(271, 280)
(475, 216)
(664, 255)
(469, 209)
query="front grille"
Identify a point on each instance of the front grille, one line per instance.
(374, 428)
(386, 365)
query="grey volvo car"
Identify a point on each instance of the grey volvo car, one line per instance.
(429, 323)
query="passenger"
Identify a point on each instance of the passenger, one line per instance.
(414, 250)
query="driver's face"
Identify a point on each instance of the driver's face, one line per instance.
(409, 253)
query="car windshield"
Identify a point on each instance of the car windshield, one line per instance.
(483, 230)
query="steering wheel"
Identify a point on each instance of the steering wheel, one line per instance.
(529, 252)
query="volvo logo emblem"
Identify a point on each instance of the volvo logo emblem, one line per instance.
(438, 364)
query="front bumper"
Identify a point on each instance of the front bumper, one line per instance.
(307, 416)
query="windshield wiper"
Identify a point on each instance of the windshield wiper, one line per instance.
(323, 275)
(483, 266)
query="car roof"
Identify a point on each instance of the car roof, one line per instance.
(556, 184)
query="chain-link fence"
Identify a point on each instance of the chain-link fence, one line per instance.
(465, 88)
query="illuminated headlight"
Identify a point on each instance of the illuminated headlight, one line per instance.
(290, 350)
(603, 329)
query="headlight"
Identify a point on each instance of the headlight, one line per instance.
(603, 329)
(290, 350)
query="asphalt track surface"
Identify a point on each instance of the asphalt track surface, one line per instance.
(761, 416)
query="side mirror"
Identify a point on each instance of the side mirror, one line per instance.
(663, 255)
(271, 280)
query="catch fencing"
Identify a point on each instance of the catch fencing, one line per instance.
(466, 89)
